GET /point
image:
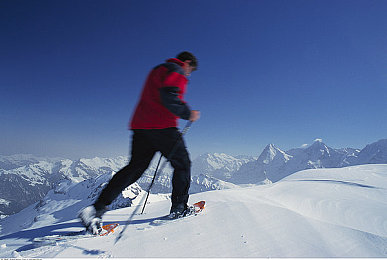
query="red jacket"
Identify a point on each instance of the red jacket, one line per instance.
(161, 102)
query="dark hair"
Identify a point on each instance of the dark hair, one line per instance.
(185, 55)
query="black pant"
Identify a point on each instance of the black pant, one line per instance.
(145, 143)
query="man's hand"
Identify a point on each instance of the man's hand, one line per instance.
(195, 115)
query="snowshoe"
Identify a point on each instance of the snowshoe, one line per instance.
(176, 213)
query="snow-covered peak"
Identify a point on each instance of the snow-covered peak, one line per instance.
(218, 165)
(315, 151)
(374, 153)
(317, 144)
(318, 149)
(271, 153)
(8, 162)
(215, 160)
(98, 162)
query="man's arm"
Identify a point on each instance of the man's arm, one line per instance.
(170, 99)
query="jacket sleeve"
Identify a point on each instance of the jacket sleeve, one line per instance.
(170, 99)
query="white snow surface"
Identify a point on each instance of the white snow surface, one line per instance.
(339, 212)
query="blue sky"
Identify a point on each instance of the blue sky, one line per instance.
(283, 72)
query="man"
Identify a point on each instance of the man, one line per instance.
(154, 126)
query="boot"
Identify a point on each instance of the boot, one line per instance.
(179, 211)
(91, 219)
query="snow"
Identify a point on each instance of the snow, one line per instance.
(338, 212)
(27, 179)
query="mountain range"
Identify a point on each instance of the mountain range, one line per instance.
(26, 179)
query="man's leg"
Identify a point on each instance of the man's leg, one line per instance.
(181, 179)
(165, 141)
(141, 155)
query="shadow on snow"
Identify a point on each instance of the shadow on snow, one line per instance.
(55, 230)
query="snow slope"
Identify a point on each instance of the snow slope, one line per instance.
(339, 212)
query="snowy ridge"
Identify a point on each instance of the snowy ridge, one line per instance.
(218, 165)
(203, 183)
(374, 153)
(18, 160)
(276, 164)
(199, 183)
(22, 185)
(70, 197)
(339, 212)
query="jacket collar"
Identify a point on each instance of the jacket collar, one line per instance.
(177, 61)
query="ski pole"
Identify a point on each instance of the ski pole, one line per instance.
(183, 132)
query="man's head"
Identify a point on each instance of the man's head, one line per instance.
(190, 62)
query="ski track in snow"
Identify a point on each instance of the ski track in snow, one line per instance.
(313, 213)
